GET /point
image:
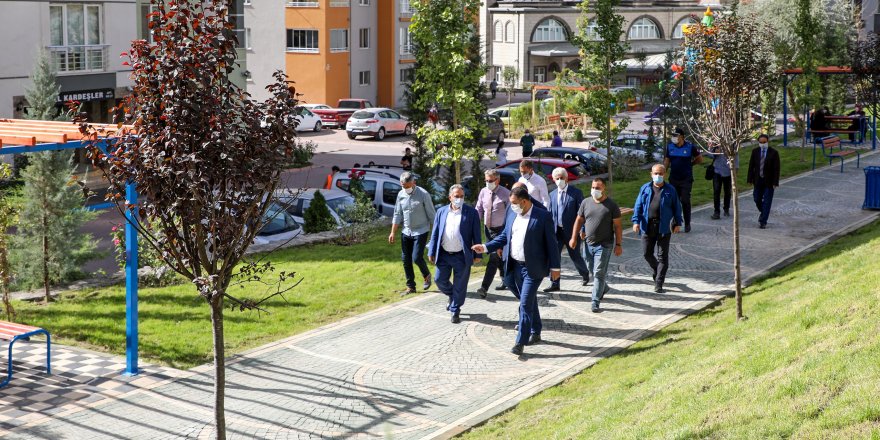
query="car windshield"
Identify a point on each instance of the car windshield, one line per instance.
(349, 104)
(277, 221)
(362, 115)
(339, 204)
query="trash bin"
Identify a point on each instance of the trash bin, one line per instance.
(872, 188)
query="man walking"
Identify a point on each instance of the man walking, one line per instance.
(456, 229)
(536, 184)
(764, 175)
(527, 142)
(413, 209)
(564, 203)
(721, 180)
(530, 253)
(681, 156)
(656, 216)
(604, 232)
(493, 87)
(492, 206)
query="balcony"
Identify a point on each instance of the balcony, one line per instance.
(79, 59)
(302, 4)
(340, 3)
(406, 50)
(406, 8)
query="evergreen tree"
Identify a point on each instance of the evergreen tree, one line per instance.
(317, 216)
(8, 217)
(43, 94)
(49, 247)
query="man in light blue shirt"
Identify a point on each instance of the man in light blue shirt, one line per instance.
(414, 210)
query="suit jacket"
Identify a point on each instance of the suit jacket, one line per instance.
(571, 204)
(540, 246)
(468, 232)
(771, 166)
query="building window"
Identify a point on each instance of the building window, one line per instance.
(406, 8)
(496, 70)
(550, 30)
(363, 2)
(508, 32)
(247, 38)
(406, 75)
(338, 40)
(364, 78)
(75, 36)
(302, 40)
(236, 17)
(406, 41)
(644, 29)
(364, 38)
(592, 31)
(499, 33)
(678, 33)
(540, 74)
(146, 32)
(292, 4)
(632, 81)
(340, 3)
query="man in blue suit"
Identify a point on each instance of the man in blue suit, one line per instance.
(565, 201)
(456, 229)
(530, 254)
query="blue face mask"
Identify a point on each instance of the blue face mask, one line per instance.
(657, 179)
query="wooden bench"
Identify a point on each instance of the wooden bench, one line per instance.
(831, 132)
(829, 143)
(12, 332)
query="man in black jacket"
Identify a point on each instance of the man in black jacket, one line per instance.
(764, 175)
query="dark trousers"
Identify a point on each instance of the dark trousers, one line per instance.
(494, 265)
(525, 288)
(493, 93)
(684, 195)
(719, 183)
(573, 253)
(454, 266)
(413, 251)
(763, 195)
(653, 239)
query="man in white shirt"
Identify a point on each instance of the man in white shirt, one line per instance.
(536, 184)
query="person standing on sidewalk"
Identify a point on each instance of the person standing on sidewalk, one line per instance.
(492, 206)
(456, 229)
(604, 235)
(681, 156)
(764, 168)
(536, 184)
(527, 142)
(656, 216)
(413, 209)
(493, 87)
(564, 203)
(721, 180)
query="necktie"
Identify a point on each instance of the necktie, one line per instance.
(559, 208)
(763, 155)
(489, 209)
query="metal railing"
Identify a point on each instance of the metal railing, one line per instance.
(406, 49)
(79, 58)
(302, 4)
(340, 3)
(406, 8)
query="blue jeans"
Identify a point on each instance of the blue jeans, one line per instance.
(413, 251)
(526, 289)
(454, 266)
(763, 195)
(598, 257)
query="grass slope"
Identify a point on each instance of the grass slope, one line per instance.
(806, 364)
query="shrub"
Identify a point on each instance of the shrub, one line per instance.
(159, 274)
(317, 216)
(302, 156)
(578, 135)
(627, 166)
(359, 217)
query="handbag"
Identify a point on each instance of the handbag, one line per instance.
(710, 171)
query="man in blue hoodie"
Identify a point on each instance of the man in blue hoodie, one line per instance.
(656, 216)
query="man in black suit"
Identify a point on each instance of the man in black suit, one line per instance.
(565, 201)
(764, 175)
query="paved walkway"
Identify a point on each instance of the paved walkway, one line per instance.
(404, 371)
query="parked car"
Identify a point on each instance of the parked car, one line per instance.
(380, 185)
(544, 167)
(377, 122)
(495, 130)
(279, 227)
(308, 121)
(596, 164)
(296, 202)
(316, 106)
(337, 117)
(632, 144)
(503, 111)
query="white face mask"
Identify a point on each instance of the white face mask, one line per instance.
(763, 145)
(596, 193)
(676, 139)
(561, 183)
(410, 190)
(491, 186)
(457, 202)
(517, 209)
(527, 176)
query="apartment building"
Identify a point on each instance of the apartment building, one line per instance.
(333, 49)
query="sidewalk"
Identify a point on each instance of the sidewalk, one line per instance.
(404, 371)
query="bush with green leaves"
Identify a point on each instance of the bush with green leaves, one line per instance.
(359, 217)
(317, 216)
(628, 166)
(159, 273)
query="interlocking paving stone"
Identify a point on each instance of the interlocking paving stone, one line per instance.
(404, 371)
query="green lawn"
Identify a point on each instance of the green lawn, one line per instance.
(806, 364)
(175, 326)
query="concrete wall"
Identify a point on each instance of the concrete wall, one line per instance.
(869, 10)
(265, 19)
(364, 17)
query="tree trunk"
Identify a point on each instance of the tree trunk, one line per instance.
(45, 219)
(610, 186)
(219, 366)
(737, 273)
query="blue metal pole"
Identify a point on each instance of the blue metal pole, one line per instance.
(131, 284)
(785, 111)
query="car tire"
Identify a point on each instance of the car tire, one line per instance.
(352, 136)
(380, 135)
(407, 131)
(501, 137)
(318, 126)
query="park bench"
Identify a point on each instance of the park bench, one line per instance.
(829, 143)
(12, 332)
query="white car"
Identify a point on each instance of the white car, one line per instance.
(308, 121)
(296, 202)
(377, 122)
(315, 106)
(280, 227)
(631, 144)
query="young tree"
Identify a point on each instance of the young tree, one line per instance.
(602, 52)
(509, 76)
(728, 64)
(448, 73)
(317, 216)
(204, 158)
(42, 97)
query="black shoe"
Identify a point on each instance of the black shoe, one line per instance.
(658, 289)
(687, 229)
(501, 287)
(716, 216)
(726, 213)
(517, 349)
(586, 281)
(482, 292)
(595, 307)
(408, 291)
(552, 288)
(427, 284)
(534, 339)
(448, 302)
(763, 226)
(455, 318)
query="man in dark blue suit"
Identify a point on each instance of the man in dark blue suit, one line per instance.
(565, 201)
(530, 254)
(456, 229)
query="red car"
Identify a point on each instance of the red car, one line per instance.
(544, 167)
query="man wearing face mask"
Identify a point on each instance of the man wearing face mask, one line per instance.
(656, 216)
(604, 232)
(764, 174)
(413, 209)
(492, 206)
(681, 156)
(536, 184)
(564, 203)
(530, 254)
(456, 229)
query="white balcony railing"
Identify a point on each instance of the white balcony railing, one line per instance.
(81, 58)
(406, 8)
(302, 4)
(340, 3)
(406, 49)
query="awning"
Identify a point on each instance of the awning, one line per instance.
(554, 50)
(652, 62)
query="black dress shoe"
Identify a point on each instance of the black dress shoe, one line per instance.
(726, 213)
(534, 339)
(716, 216)
(501, 287)
(763, 226)
(552, 288)
(427, 284)
(455, 318)
(482, 292)
(658, 289)
(595, 308)
(687, 229)
(517, 349)
(585, 282)
(408, 291)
